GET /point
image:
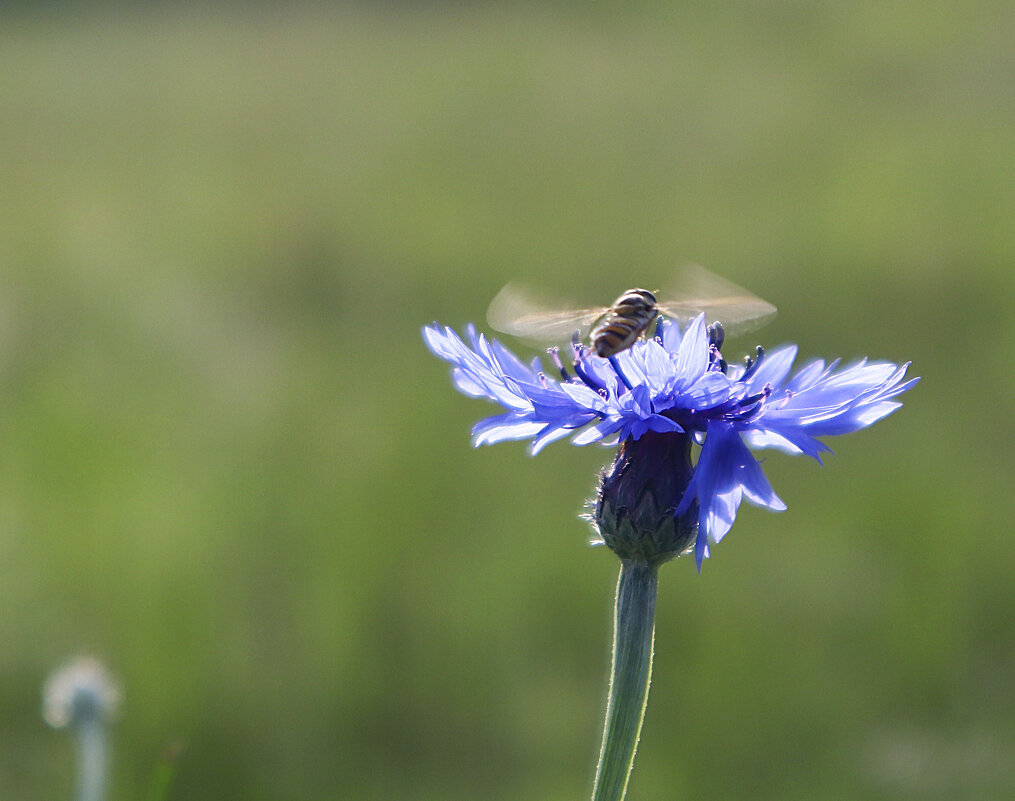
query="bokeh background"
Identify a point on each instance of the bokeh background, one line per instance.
(229, 467)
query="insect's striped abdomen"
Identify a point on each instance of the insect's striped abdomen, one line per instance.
(626, 320)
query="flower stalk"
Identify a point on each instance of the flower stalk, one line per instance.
(83, 697)
(92, 756)
(633, 636)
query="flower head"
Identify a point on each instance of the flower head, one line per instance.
(657, 398)
(79, 692)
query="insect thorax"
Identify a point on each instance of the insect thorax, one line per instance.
(634, 300)
(626, 320)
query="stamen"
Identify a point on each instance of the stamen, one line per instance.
(542, 379)
(577, 350)
(753, 364)
(590, 381)
(620, 373)
(716, 335)
(715, 359)
(751, 400)
(554, 354)
(752, 404)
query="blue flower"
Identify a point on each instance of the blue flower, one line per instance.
(675, 388)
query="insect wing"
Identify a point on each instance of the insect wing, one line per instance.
(516, 312)
(698, 290)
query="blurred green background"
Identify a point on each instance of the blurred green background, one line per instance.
(229, 467)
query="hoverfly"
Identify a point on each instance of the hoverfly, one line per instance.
(619, 325)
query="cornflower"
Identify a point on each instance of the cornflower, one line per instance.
(656, 401)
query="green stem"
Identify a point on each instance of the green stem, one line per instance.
(633, 633)
(91, 779)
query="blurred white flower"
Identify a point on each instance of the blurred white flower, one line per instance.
(78, 692)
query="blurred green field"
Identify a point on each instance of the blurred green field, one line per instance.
(229, 467)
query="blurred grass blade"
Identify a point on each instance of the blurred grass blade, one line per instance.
(164, 773)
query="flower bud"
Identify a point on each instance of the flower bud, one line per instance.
(639, 494)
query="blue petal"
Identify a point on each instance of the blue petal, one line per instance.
(599, 431)
(549, 434)
(669, 333)
(773, 369)
(503, 428)
(792, 439)
(838, 402)
(633, 370)
(854, 419)
(701, 549)
(708, 391)
(657, 365)
(467, 384)
(474, 374)
(559, 401)
(725, 473)
(638, 400)
(692, 357)
(755, 483)
(441, 343)
(806, 376)
(636, 428)
(583, 396)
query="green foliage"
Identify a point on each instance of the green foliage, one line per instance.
(162, 775)
(228, 467)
